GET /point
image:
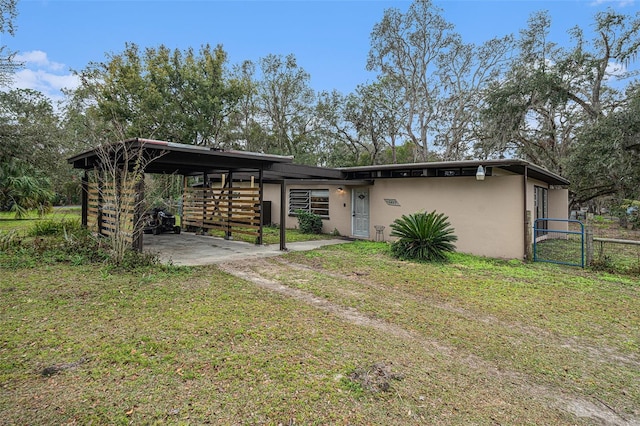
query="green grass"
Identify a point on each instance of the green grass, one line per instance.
(470, 341)
(271, 235)
(8, 221)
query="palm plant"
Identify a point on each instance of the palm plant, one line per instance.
(22, 188)
(423, 236)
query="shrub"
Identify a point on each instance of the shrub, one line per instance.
(423, 236)
(44, 228)
(309, 223)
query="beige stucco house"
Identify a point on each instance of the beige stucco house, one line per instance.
(489, 215)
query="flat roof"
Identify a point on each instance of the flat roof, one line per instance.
(183, 159)
(512, 165)
(186, 159)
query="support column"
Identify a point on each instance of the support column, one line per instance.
(100, 182)
(260, 188)
(228, 235)
(528, 236)
(205, 185)
(85, 198)
(528, 223)
(283, 215)
(588, 240)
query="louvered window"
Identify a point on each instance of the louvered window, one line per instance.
(310, 200)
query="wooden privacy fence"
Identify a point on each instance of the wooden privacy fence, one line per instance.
(102, 210)
(229, 209)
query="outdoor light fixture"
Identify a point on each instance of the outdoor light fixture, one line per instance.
(480, 173)
(340, 189)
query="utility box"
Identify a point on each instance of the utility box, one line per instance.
(266, 213)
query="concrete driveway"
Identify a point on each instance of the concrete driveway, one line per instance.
(189, 249)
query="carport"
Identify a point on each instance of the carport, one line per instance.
(228, 195)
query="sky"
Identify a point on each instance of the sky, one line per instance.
(329, 38)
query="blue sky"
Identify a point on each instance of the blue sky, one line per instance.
(330, 39)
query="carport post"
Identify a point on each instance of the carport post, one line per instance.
(85, 198)
(283, 216)
(205, 185)
(260, 231)
(227, 234)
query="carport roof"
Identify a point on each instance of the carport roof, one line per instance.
(188, 160)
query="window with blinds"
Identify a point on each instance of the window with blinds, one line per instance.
(310, 200)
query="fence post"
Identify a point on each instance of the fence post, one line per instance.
(588, 236)
(528, 235)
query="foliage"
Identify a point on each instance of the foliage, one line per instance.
(66, 241)
(423, 236)
(164, 94)
(8, 15)
(309, 223)
(405, 48)
(606, 160)
(51, 243)
(550, 95)
(22, 188)
(286, 102)
(33, 138)
(120, 174)
(54, 227)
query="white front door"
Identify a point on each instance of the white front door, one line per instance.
(360, 224)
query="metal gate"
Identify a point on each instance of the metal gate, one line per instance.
(565, 247)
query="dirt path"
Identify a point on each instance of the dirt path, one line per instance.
(599, 354)
(594, 410)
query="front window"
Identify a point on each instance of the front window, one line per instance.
(310, 200)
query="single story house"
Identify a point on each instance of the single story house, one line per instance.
(491, 204)
(488, 212)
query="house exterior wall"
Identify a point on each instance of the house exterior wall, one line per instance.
(559, 208)
(487, 216)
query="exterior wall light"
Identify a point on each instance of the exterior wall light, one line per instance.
(480, 173)
(340, 189)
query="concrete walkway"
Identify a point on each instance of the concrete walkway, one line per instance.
(188, 249)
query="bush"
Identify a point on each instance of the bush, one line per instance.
(423, 236)
(52, 227)
(309, 223)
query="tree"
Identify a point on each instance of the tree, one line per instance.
(337, 132)
(550, 94)
(8, 14)
(465, 71)
(32, 144)
(172, 95)
(287, 108)
(606, 161)
(245, 130)
(29, 128)
(405, 48)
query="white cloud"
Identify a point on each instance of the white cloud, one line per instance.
(44, 81)
(618, 3)
(39, 59)
(41, 74)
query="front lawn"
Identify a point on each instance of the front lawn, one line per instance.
(340, 335)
